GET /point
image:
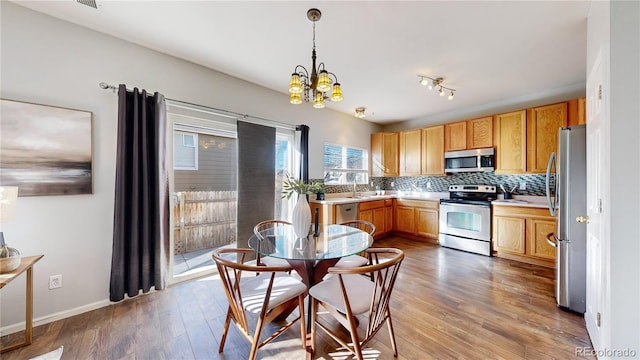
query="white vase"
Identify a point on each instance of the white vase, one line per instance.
(301, 217)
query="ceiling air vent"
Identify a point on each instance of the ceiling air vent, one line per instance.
(91, 3)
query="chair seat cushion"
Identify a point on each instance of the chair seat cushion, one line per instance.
(359, 289)
(254, 290)
(271, 261)
(352, 261)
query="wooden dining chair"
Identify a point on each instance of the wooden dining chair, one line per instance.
(357, 260)
(343, 296)
(266, 296)
(257, 230)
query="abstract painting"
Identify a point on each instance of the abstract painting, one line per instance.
(45, 150)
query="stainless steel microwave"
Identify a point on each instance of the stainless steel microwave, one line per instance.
(469, 160)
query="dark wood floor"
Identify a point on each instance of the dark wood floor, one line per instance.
(447, 304)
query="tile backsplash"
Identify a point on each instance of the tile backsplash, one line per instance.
(535, 183)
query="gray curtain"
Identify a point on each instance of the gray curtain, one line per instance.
(304, 152)
(140, 256)
(256, 177)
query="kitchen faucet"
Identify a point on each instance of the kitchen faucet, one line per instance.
(354, 188)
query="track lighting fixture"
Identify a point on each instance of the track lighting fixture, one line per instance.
(432, 83)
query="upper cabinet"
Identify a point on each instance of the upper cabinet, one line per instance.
(433, 150)
(543, 124)
(469, 134)
(410, 152)
(526, 139)
(384, 154)
(576, 110)
(455, 136)
(480, 133)
(511, 142)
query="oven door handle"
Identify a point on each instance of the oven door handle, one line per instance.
(464, 205)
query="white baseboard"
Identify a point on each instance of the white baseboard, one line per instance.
(13, 328)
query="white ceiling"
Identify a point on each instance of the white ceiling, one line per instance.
(489, 51)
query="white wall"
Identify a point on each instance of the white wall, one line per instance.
(616, 25)
(48, 61)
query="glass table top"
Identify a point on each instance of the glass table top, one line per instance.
(333, 241)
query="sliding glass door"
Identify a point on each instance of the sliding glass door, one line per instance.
(205, 190)
(204, 184)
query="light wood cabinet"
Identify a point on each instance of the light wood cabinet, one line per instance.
(520, 233)
(511, 142)
(377, 213)
(417, 217)
(410, 152)
(455, 136)
(525, 139)
(384, 154)
(404, 219)
(469, 134)
(509, 234)
(543, 124)
(388, 215)
(480, 133)
(426, 222)
(577, 111)
(433, 150)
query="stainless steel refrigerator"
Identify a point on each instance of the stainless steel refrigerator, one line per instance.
(566, 187)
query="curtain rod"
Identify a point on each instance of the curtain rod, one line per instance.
(106, 86)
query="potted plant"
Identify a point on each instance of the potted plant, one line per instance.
(292, 186)
(301, 215)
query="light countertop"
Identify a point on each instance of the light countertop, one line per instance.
(524, 201)
(344, 198)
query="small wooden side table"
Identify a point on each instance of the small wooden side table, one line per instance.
(26, 264)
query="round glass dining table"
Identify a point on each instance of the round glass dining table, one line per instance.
(311, 256)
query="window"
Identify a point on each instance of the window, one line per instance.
(284, 166)
(185, 151)
(344, 165)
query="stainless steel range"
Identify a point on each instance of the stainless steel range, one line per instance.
(465, 218)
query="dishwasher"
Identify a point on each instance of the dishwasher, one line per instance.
(346, 212)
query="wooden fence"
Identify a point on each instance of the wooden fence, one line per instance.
(204, 220)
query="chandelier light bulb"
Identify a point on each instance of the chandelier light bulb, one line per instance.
(424, 81)
(336, 94)
(450, 96)
(295, 98)
(441, 91)
(295, 85)
(318, 100)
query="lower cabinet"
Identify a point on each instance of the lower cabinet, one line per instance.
(520, 233)
(379, 213)
(417, 217)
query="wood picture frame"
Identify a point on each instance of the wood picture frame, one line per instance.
(46, 150)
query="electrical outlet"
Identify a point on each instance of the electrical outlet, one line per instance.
(523, 185)
(55, 281)
(428, 184)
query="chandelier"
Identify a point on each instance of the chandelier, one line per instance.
(315, 87)
(360, 112)
(432, 83)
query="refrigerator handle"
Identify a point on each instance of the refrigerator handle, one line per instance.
(551, 203)
(552, 239)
